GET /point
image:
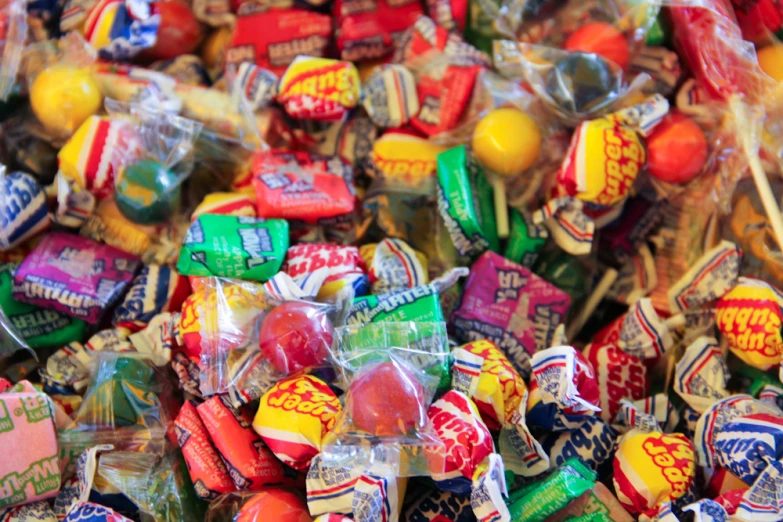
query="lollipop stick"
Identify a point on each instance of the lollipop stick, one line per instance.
(603, 286)
(501, 207)
(675, 321)
(759, 176)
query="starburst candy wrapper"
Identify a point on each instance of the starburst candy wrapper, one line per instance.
(652, 468)
(294, 417)
(509, 305)
(319, 88)
(74, 275)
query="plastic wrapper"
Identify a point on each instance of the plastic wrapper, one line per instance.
(158, 159)
(393, 265)
(566, 379)
(372, 32)
(389, 96)
(345, 268)
(318, 88)
(427, 504)
(13, 34)
(401, 359)
(24, 208)
(254, 507)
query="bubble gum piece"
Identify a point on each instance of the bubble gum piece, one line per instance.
(500, 388)
(24, 209)
(390, 96)
(341, 262)
(750, 317)
(386, 400)
(393, 265)
(319, 88)
(566, 378)
(294, 417)
(619, 376)
(507, 141)
(746, 445)
(652, 468)
(403, 157)
(602, 39)
(560, 446)
(295, 336)
(63, 97)
(286, 506)
(676, 150)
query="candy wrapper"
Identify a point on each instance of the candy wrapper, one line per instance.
(318, 88)
(378, 360)
(254, 507)
(619, 376)
(294, 417)
(24, 208)
(156, 289)
(429, 504)
(393, 265)
(303, 187)
(12, 41)
(74, 275)
(345, 266)
(490, 310)
(257, 247)
(565, 378)
(389, 96)
(158, 159)
(372, 31)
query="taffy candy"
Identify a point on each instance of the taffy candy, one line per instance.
(390, 97)
(226, 203)
(294, 417)
(156, 289)
(230, 246)
(497, 294)
(318, 88)
(24, 208)
(372, 32)
(652, 468)
(301, 186)
(74, 275)
(598, 501)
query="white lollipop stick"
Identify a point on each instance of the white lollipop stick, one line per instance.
(759, 176)
(501, 206)
(603, 286)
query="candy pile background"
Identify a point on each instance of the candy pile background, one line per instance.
(381, 261)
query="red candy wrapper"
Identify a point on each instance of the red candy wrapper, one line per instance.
(369, 29)
(619, 376)
(302, 186)
(209, 474)
(274, 38)
(250, 464)
(566, 378)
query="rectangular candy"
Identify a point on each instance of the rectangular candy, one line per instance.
(30, 467)
(420, 304)
(509, 305)
(235, 247)
(74, 275)
(209, 474)
(157, 288)
(250, 464)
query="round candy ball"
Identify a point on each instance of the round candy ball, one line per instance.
(387, 400)
(771, 61)
(676, 150)
(147, 193)
(62, 97)
(506, 141)
(295, 336)
(582, 82)
(652, 468)
(602, 39)
(179, 31)
(275, 504)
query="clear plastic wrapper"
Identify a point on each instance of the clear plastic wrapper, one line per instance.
(157, 160)
(285, 504)
(388, 370)
(13, 34)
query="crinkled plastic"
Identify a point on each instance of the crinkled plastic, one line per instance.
(285, 504)
(13, 34)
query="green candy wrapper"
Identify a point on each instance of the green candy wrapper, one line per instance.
(536, 502)
(525, 240)
(420, 304)
(235, 247)
(40, 328)
(465, 203)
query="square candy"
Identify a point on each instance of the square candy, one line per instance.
(512, 307)
(74, 275)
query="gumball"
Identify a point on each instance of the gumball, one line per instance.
(582, 82)
(179, 31)
(602, 39)
(63, 96)
(771, 61)
(676, 150)
(506, 141)
(652, 468)
(387, 400)
(274, 504)
(295, 336)
(147, 193)
(749, 317)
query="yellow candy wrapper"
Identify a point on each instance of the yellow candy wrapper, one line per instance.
(226, 203)
(319, 88)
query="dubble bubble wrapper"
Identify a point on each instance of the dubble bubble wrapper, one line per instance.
(30, 468)
(238, 247)
(509, 305)
(294, 417)
(74, 275)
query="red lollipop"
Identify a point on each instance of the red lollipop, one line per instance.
(387, 400)
(179, 31)
(295, 336)
(275, 504)
(676, 150)
(602, 39)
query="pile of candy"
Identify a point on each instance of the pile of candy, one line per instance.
(380, 261)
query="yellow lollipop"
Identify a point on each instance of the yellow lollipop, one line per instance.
(63, 97)
(506, 142)
(771, 61)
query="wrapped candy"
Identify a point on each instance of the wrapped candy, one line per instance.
(24, 208)
(393, 265)
(318, 88)
(344, 265)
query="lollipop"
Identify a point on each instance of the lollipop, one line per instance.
(62, 97)
(602, 39)
(285, 505)
(676, 150)
(506, 142)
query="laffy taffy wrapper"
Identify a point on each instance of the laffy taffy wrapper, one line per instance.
(319, 88)
(74, 275)
(652, 468)
(294, 417)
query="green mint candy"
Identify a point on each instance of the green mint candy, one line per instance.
(235, 247)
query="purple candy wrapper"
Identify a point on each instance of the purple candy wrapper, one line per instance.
(509, 305)
(74, 275)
